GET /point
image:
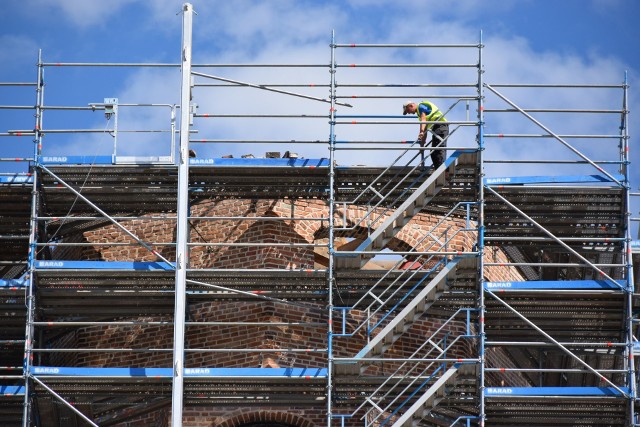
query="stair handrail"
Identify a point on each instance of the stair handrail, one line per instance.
(382, 198)
(418, 350)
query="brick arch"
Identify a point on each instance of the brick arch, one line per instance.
(275, 418)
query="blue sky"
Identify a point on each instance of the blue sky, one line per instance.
(527, 41)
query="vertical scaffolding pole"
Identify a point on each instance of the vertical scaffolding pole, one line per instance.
(33, 236)
(481, 301)
(624, 151)
(330, 275)
(182, 219)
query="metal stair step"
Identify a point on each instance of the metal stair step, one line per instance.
(434, 395)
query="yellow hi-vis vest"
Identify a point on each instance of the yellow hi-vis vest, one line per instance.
(434, 116)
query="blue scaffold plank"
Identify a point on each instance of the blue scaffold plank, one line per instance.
(16, 179)
(296, 163)
(104, 265)
(13, 283)
(304, 373)
(76, 160)
(511, 392)
(12, 390)
(636, 348)
(561, 179)
(555, 285)
(635, 246)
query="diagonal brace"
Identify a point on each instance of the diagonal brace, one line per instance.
(563, 348)
(64, 402)
(195, 73)
(546, 129)
(548, 233)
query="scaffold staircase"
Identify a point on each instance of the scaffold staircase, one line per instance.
(404, 213)
(442, 388)
(412, 311)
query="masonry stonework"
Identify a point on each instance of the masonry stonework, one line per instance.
(266, 239)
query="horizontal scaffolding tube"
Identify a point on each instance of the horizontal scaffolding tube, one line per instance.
(572, 370)
(311, 85)
(92, 218)
(109, 64)
(406, 65)
(187, 350)
(258, 141)
(432, 96)
(397, 359)
(260, 116)
(567, 86)
(571, 162)
(543, 343)
(548, 264)
(17, 107)
(405, 253)
(157, 323)
(255, 218)
(279, 245)
(526, 135)
(408, 85)
(564, 239)
(18, 84)
(547, 110)
(191, 218)
(45, 131)
(412, 45)
(413, 123)
(402, 148)
(54, 244)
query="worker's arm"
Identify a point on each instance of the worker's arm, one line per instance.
(422, 136)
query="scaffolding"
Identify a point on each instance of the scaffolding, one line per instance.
(457, 295)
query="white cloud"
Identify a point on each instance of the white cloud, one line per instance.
(81, 13)
(282, 32)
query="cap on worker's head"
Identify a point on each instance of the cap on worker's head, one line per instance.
(404, 107)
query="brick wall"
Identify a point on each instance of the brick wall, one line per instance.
(269, 231)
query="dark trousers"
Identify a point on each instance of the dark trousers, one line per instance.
(440, 133)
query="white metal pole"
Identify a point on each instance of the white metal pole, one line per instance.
(182, 220)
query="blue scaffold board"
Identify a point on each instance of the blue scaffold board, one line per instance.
(12, 390)
(305, 373)
(296, 163)
(561, 179)
(555, 285)
(104, 265)
(510, 392)
(635, 246)
(636, 348)
(12, 283)
(16, 179)
(76, 160)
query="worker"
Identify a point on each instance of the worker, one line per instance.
(428, 112)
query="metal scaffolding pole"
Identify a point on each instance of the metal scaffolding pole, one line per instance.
(624, 151)
(32, 254)
(480, 242)
(182, 254)
(330, 270)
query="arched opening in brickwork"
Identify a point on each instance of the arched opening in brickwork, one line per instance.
(267, 419)
(266, 424)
